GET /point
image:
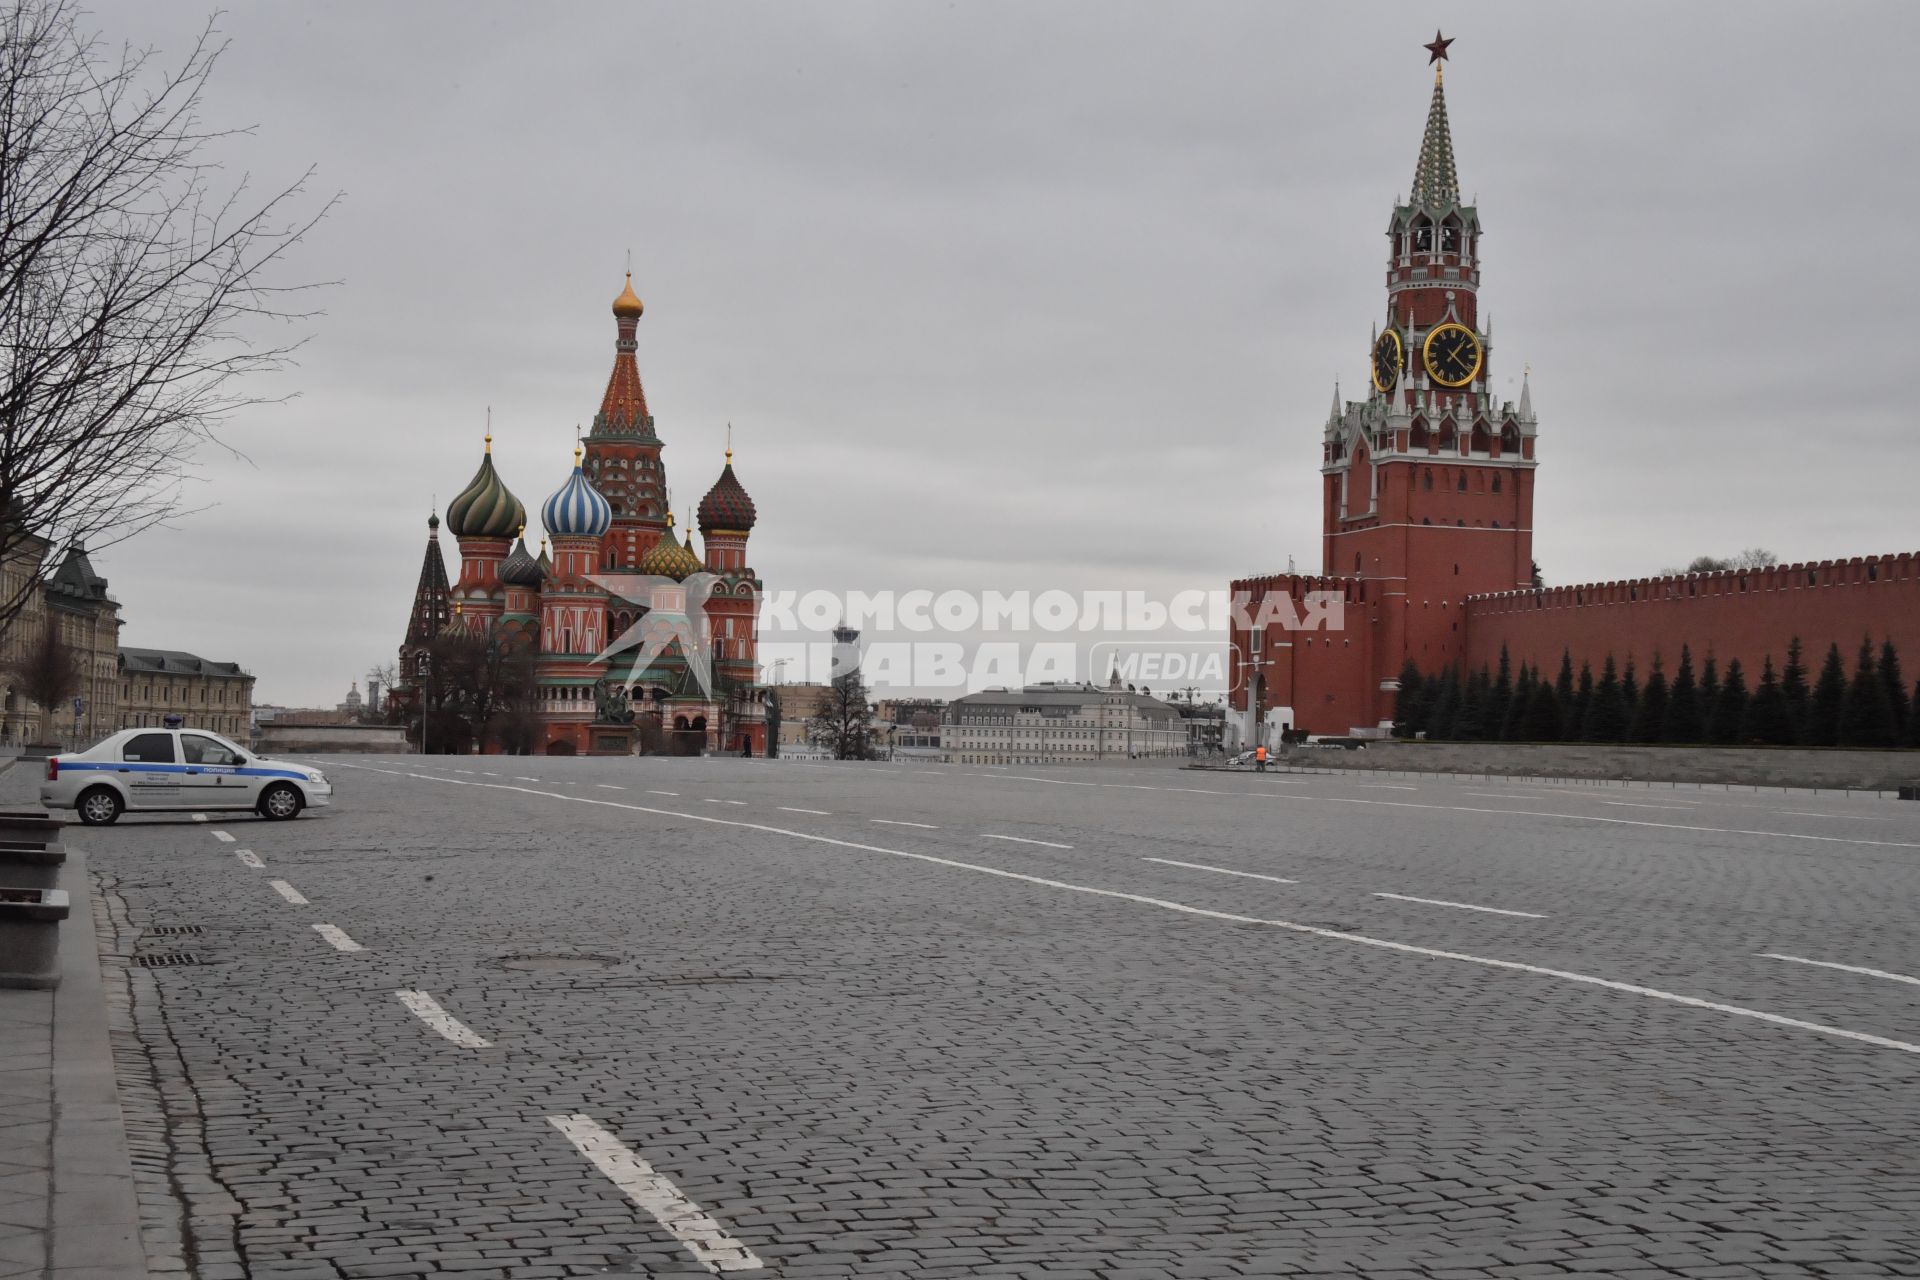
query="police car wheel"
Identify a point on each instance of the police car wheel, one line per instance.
(280, 801)
(99, 807)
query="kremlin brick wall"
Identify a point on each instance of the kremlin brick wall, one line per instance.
(1747, 614)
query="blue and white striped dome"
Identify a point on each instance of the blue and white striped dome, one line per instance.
(577, 511)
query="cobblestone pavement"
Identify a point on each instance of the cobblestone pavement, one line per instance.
(951, 1022)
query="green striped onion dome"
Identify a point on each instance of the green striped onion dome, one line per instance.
(485, 509)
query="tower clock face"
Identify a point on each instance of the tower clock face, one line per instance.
(1452, 355)
(1387, 357)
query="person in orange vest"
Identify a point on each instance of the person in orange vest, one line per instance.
(1260, 758)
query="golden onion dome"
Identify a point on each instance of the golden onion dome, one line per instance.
(628, 303)
(669, 559)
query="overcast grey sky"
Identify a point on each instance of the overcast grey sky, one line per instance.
(1043, 295)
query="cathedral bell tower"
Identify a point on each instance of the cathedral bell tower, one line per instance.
(1428, 482)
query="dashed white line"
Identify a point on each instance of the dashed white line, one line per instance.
(1851, 817)
(1290, 926)
(223, 837)
(662, 793)
(489, 773)
(712, 800)
(440, 1020)
(1847, 968)
(1388, 786)
(1464, 906)
(1225, 871)
(608, 786)
(338, 937)
(249, 858)
(1045, 844)
(895, 822)
(822, 813)
(199, 817)
(652, 1191)
(518, 778)
(468, 772)
(288, 892)
(1629, 804)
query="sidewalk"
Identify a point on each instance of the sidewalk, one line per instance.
(67, 1206)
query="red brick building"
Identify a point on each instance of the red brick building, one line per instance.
(1427, 526)
(627, 624)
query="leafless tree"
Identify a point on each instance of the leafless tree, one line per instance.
(49, 673)
(137, 285)
(844, 723)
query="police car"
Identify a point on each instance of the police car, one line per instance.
(154, 770)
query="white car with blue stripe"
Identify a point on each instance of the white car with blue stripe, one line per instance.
(156, 770)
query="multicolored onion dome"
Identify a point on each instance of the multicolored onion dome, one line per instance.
(726, 508)
(577, 510)
(485, 509)
(669, 559)
(520, 569)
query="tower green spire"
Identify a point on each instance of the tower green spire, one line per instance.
(1436, 185)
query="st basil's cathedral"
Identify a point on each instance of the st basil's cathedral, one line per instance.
(627, 623)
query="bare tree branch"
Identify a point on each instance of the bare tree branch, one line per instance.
(136, 293)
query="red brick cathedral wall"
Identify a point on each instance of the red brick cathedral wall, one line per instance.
(1744, 614)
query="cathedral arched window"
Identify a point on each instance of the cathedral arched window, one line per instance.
(1462, 486)
(1496, 482)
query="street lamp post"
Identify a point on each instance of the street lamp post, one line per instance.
(421, 669)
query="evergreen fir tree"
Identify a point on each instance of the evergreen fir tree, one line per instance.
(1709, 696)
(1446, 704)
(1769, 720)
(1563, 692)
(1913, 720)
(1896, 686)
(1606, 719)
(1499, 698)
(1650, 717)
(1865, 718)
(1407, 703)
(1576, 726)
(1822, 727)
(1682, 723)
(1730, 706)
(1794, 688)
(1514, 727)
(1543, 714)
(1470, 725)
(1630, 698)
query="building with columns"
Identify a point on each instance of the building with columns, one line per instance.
(1427, 520)
(635, 636)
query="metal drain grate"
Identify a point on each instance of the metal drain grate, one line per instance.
(175, 930)
(168, 960)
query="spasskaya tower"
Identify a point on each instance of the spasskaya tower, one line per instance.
(1428, 482)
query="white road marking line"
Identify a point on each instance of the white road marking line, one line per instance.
(1848, 968)
(489, 773)
(1388, 786)
(468, 772)
(199, 817)
(338, 937)
(663, 793)
(1225, 871)
(1495, 795)
(249, 858)
(1464, 906)
(440, 1020)
(711, 800)
(1852, 817)
(1129, 786)
(823, 813)
(608, 786)
(1628, 804)
(651, 1190)
(1045, 844)
(288, 892)
(223, 837)
(895, 822)
(1359, 939)
(518, 778)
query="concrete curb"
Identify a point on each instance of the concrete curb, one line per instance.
(96, 1218)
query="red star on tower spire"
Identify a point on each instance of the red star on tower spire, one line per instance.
(1437, 51)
